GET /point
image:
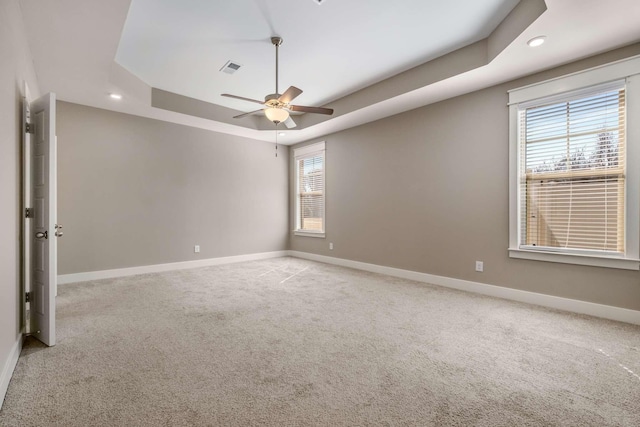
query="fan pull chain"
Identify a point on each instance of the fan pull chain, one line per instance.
(276, 140)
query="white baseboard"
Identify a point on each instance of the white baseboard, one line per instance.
(131, 271)
(576, 306)
(8, 368)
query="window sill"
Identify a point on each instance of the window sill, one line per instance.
(308, 233)
(579, 259)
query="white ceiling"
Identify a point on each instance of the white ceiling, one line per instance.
(330, 50)
(346, 54)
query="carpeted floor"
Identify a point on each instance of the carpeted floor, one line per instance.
(289, 342)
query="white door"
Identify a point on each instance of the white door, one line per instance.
(43, 230)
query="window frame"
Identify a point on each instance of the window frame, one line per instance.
(306, 152)
(628, 71)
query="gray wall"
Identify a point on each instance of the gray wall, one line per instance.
(15, 68)
(427, 191)
(134, 191)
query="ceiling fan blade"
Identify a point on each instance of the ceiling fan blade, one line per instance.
(317, 110)
(289, 123)
(242, 98)
(246, 114)
(290, 94)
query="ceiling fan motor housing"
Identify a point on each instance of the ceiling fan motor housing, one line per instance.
(271, 96)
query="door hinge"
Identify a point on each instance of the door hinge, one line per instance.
(28, 296)
(29, 128)
(28, 213)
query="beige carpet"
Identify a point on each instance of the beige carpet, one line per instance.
(289, 342)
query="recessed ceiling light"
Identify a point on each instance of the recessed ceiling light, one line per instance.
(536, 41)
(115, 96)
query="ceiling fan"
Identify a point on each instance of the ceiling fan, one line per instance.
(277, 106)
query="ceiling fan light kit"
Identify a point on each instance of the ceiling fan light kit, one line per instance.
(277, 106)
(276, 115)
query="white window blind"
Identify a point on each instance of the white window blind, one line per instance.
(310, 198)
(572, 172)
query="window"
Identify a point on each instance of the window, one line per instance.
(573, 171)
(310, 190)
(574, 154)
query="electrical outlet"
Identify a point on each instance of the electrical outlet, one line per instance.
(196, 248)
(479, 266)
(330, 246)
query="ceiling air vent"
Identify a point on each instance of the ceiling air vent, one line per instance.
(230, 67)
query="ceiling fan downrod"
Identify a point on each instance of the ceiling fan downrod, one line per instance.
(276, 41)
